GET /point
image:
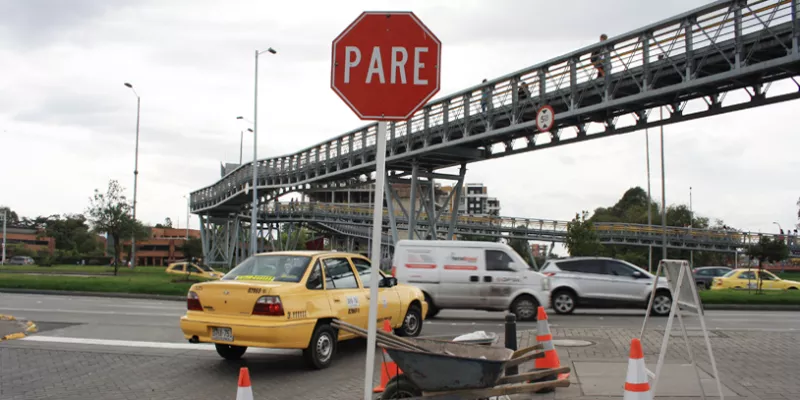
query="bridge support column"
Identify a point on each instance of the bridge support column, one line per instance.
(219, 238)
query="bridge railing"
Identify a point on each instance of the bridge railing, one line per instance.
(643, 56)
(329, 211)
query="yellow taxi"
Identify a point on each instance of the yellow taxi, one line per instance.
(193, 269)
(743, 278)
(288, 299)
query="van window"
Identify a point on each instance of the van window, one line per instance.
(498, 261)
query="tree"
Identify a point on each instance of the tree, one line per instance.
(522, 247)
(769, 250)
(167, 223)
(110, 213)
(581, 237)
(13, 218)
(479, 238)
(72, 235)
(192, 248)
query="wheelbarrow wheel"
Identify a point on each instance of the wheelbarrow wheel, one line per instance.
(400, 387)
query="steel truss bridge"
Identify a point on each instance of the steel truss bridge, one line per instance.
(355, 221)
(685, 66)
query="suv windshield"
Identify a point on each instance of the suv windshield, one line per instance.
(280, 268)
(204, 267)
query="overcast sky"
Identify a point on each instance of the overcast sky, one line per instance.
(67, 123)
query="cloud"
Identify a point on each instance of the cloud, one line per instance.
(72, 123)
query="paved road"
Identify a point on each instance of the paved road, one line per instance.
(150, 320)
(109, 348)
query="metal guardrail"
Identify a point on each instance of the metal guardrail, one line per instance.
(724, 33)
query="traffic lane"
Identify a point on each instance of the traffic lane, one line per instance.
(627, 318)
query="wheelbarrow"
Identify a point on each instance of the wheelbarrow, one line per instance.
(436, 369)
(456, 370)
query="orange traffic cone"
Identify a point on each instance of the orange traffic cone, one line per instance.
(637, 387)
(245, 392)
(550, 359)
(389, 368)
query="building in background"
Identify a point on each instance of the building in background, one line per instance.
(539, 250)
(31, 239)
(475, 201)
(163, 247)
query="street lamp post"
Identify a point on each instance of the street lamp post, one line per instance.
(5, 216)
(691, 225)
(254, 207)
(649, 201)
(135, 172)
(663, 189)
(187, 215)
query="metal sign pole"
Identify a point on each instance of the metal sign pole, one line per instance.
(5, 216)
(377, 228)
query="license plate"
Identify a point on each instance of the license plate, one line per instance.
(222, 334)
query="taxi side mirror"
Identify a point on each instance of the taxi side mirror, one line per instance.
(388, 281)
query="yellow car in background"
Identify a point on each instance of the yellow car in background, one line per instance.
(287, 300)
(190, 269)
(743, 278)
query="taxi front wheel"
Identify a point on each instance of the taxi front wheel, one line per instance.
(230, 352)
(412, 323)
(322, 347)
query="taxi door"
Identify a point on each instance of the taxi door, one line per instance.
(389, 306)
(348, 302)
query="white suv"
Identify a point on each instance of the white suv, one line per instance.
(600, 282)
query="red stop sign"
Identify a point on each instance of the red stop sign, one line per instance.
(386, 65)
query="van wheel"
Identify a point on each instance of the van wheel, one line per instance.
(525, 308)
(322, 347)
(432, 309)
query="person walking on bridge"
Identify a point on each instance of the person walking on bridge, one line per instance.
(598, 58)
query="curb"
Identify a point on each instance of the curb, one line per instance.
(142, 296)
(30, 327)
(753, 307)
(97, 294)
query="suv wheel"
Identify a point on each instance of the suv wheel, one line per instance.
(662, 303)
(564, 301)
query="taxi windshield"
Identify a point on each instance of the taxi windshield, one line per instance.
(268, 267)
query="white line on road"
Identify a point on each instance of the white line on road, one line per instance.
(58, 310)
(141, 344)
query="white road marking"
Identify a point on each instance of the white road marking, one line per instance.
(141, 344)
(59, 310)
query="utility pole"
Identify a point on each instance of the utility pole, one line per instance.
(649, 202)
(663, 190)
(691, 225)
(5, 216)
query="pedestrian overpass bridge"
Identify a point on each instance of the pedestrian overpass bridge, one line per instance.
(695, 58)
(348, 220)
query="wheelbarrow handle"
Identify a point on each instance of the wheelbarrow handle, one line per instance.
(538, 374)
(527, 357)
(526, 350)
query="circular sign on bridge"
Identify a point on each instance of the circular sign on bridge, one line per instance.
(386, 65)
(545, 118)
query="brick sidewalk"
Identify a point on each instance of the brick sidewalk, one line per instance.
(754, 365)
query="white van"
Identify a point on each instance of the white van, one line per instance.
(471, 275)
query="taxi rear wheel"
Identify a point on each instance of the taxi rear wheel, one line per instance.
(322, 347)
(412, 323)
(230, 352)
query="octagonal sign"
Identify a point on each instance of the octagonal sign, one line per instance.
(386, 65)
